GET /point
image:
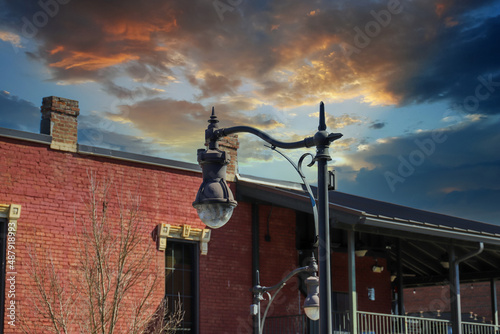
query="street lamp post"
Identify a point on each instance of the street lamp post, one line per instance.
(215, 203)
(311, 303)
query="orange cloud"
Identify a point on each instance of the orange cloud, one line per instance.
(450, 22)
(440, 7)
(136, 31)
(57, 49)
(92, 62)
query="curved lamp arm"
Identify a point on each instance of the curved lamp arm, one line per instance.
(258, 290)
(306, 142)
(321, 138)
(298, 168)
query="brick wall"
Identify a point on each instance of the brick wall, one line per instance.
(51, 186)
(278, 257)
(365, 278)
(474, 298)
(225, 276)
(226, 272)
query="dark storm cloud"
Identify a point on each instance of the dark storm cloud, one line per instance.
(464, 68)
(377, 125)
(19, 114)
(435, 171)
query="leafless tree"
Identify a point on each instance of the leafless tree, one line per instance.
(112, 287)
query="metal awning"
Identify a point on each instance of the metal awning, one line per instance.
(420, 239)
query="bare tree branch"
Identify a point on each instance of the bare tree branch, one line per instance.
(116, 278)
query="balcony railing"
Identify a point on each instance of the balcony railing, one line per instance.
(474, 328)
(374, 323)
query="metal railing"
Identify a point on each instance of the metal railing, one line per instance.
(477, 328)
(374, 323)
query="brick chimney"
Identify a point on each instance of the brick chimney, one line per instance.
(230, 145)
(59, 120)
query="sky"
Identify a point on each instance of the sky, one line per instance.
(414, 86)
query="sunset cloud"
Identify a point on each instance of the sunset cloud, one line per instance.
(292, 53)
(10, 37)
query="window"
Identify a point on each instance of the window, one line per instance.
(181, 281)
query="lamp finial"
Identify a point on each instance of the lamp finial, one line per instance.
(213, 120)
(322, 122)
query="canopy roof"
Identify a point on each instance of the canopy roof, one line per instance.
(420, 239)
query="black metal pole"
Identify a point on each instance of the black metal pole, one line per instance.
(325, 324)
(325, 280)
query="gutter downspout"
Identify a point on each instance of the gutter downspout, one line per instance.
(456, 311)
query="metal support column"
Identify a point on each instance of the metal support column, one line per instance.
(456, 309)
(353, 297)
(494, 302)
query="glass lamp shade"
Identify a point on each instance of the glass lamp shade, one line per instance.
(312, 312)
(214, 201)
(215, 215)
(311, 304)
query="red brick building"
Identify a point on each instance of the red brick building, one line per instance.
(45, 179)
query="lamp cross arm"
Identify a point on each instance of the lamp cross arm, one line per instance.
(310, 269)
(306, 142)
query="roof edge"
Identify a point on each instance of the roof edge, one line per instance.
(139, 158)
(270, 182)
(26, 136)
(102, 152)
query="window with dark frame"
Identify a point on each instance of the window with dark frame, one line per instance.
(181, 281)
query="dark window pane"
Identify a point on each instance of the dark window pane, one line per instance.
(180, 278)
(188, 282)
(169, 280)
(178, 282)
(186, 306)
(188, 257)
